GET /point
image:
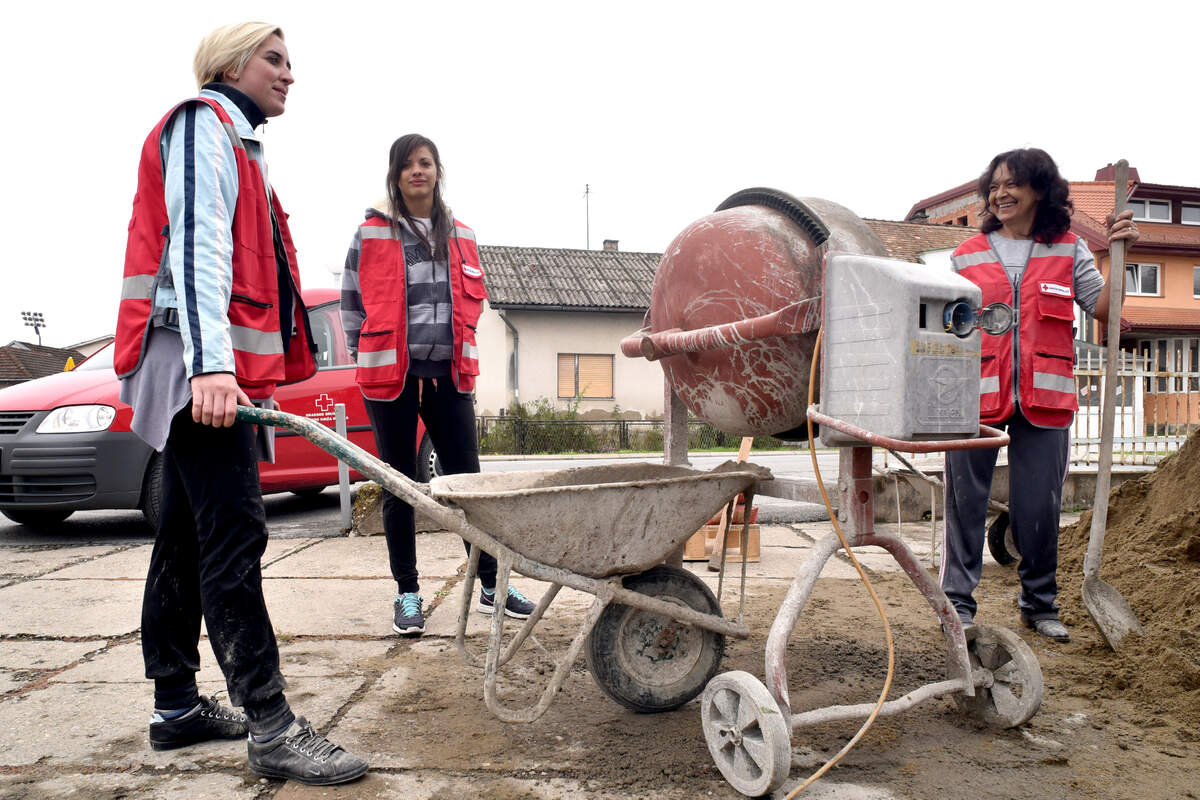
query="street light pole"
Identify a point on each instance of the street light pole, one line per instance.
(35, 320)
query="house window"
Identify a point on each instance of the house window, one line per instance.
(1195, 281)
(583, 375)
(1151, 210)
(1189, 214)
(1141, 279)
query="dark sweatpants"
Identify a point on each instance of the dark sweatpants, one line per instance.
(1037, 464)
(206, 561)
(449, 418)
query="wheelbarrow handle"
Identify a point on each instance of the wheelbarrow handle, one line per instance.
(392, 480)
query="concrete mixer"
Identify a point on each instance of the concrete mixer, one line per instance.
(734, 317)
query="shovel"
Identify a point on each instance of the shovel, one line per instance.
(1107, 608)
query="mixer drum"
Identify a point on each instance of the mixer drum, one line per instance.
(760, 251)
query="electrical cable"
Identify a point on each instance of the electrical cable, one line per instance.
(887, 628)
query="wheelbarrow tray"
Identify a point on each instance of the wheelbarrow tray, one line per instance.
(597, 521)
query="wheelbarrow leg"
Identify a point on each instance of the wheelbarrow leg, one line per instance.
(562, 669)
(464, 613)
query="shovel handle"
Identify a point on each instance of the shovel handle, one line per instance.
(1116, 286)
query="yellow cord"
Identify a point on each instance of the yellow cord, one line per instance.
(887, 628)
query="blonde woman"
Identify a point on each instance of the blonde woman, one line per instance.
(210, 318)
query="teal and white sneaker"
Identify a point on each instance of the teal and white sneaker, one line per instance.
(407, 618)
(518, 605)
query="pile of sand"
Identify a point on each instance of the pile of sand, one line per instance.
(1151, 556)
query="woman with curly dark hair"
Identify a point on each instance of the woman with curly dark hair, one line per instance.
(1025, 256)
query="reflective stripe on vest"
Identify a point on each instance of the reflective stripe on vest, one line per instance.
(989, 384)
(376, 358)
(1053, 382)
(137, 287)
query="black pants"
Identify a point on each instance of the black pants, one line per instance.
(206, 562)
(449, 417)
(1037, 466)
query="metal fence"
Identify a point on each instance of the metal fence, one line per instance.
(511, 435)
(1158, 405)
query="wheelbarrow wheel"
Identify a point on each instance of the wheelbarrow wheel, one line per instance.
(1016, 690)
(1000, 541)
(747, 736)
(649, 663)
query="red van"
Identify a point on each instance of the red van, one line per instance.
(66, 445)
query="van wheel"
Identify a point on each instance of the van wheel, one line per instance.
(38, 520)
(428, 465)
(151, 502)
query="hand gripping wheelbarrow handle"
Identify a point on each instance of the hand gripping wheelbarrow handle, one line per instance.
(344, 450)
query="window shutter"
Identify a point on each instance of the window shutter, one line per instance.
(596, 376)
(566, 374)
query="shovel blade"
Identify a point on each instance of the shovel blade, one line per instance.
(1109, 611)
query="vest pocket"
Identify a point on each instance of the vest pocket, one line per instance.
(1051, 305)
(1053, 382)
(378, 363)
(991, 399)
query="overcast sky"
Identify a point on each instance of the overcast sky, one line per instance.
(663, 109)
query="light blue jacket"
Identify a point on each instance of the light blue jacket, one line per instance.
(200, 211)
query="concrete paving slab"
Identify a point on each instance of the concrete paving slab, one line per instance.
(368, 728)
(307, 658)
(8, 681)
(346, 557)
(123, 663)
(439, 556)
(324, 606)
(52, 608)
(128, 564)
(113, 734)
(428, 785)
(23, 562)
(131, 563)
(40, 656)
(200, 786)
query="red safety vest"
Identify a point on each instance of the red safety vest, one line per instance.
(383, 342)
(259, 361)
(1045, 316)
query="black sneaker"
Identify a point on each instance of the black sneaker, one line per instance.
(301, 754)
(208, 720)
(517, 607)
(406, 614)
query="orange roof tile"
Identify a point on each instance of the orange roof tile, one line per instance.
(1152, 318)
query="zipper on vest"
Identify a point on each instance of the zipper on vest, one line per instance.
(373, 333)
(1056, 355)
(241, 298)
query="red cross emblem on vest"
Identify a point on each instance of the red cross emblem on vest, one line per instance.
(324, 403)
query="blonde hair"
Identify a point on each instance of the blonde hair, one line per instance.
(227, 49)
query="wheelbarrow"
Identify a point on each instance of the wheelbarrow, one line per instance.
(654, 634)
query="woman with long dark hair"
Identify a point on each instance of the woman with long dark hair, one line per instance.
(412, 293)
(1025, 256)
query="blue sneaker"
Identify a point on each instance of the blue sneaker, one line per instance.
(518, 605)
(407, 618)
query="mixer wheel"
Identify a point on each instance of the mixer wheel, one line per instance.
(747, 736)
(649, 663)
(1016, 690)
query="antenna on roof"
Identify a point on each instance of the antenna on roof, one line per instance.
(587, 241)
